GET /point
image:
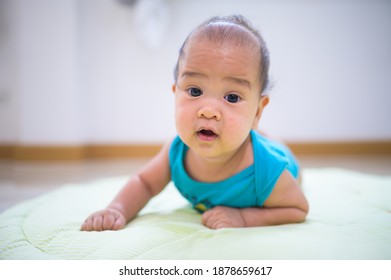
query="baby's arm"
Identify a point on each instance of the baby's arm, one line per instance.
(286, 204)
(134, 195)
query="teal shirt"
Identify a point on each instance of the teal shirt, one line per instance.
(248, 188)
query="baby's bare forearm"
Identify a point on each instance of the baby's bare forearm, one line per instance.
(272, 216)
(132, 198)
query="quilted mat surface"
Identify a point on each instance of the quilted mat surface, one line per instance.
(350, 218)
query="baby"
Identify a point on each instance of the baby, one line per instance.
(232, 174)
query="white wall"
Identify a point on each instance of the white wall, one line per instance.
(8, 108)
(81, 71)
(42, 97)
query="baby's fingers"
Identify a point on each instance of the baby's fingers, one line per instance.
(107, 219)
(118, 224)
(208, 219)
(98, 223)
(108, 222)
(214, 223)
(88, 224)
(93, 223)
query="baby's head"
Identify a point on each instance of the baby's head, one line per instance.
(232, 30)
(220, 81)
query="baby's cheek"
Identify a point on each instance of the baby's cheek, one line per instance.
(233, 123)
(181, 118)
(239, 126)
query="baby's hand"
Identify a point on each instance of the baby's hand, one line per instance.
(223, 217)
(108, 219)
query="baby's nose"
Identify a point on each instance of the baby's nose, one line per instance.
(209, 113)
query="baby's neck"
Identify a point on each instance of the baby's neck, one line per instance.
(217, 169)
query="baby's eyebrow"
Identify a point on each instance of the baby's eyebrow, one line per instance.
(236, 80)
(194, 74)
(240, 81)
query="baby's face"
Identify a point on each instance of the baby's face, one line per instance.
(217, 96)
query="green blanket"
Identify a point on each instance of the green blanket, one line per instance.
(350, 218)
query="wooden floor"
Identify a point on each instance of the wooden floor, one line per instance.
(21, 180)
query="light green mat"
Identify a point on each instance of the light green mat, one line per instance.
(350, 218)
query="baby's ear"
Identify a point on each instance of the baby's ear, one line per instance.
(262, 104)
(264, 101)
(173, 88)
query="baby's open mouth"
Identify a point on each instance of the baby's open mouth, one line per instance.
(206, 135)
(207, 132)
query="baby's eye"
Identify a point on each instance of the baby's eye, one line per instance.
(232, 98)
(195, 92)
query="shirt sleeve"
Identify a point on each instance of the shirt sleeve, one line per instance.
(269, 165)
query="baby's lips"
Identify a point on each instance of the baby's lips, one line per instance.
(207, 132)
(207, 135)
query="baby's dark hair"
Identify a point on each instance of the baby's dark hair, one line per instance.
(229, 30)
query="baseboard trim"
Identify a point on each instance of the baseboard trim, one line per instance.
(48, 153)
(43, 152)
(121, 151)
(19, 152)
(342, 148)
